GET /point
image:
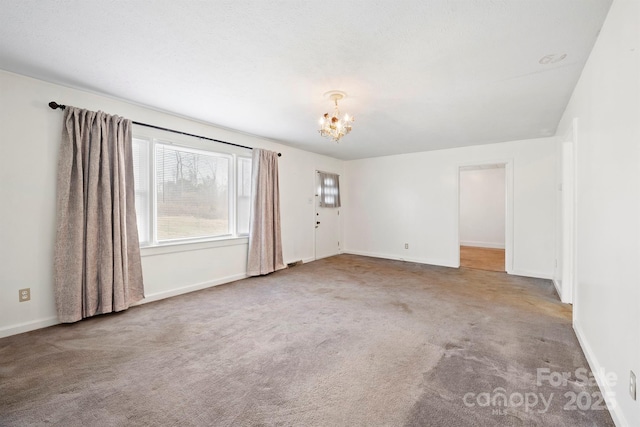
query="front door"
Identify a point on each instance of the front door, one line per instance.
(327, 223)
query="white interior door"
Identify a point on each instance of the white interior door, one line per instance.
(327, 223)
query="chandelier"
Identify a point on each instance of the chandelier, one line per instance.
(334, 126)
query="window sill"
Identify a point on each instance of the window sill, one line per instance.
(168, 248)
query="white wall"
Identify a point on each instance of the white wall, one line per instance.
(413, 198)
(30, 133)
(606, 103)
(482, 207)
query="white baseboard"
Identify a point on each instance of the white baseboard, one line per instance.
(191, 288)
(50, 321)
(533, 274)
(482, 244)
(558, 287)
(28, 326)
(327, 256)
(598, 372)
(440, 263)
(303, 260)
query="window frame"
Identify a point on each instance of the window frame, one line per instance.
(197, 146)
(237, 193)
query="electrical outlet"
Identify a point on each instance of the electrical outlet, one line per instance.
(24, 294)
(632, 385)
(406, 246)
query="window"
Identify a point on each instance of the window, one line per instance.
(186, 193)
(329, 189)
(244, 194)
(142, 188)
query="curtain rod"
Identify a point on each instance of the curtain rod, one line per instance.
(330, 173)
(54, 106)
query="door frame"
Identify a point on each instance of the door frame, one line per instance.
(567, 208)
(508, 203)
(569, 159)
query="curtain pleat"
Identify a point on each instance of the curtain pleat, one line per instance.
(97, 266)
(265, 243)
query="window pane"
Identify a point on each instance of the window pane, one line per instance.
(192, 194)
(329, 190)
(140, 150)
(244, 194)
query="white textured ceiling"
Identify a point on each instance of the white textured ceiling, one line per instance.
(420, 75)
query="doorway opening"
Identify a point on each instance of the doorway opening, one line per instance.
(483, 216)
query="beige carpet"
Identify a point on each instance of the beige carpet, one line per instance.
(344, 341)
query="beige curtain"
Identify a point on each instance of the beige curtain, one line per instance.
(97, 255)
(265, 244)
